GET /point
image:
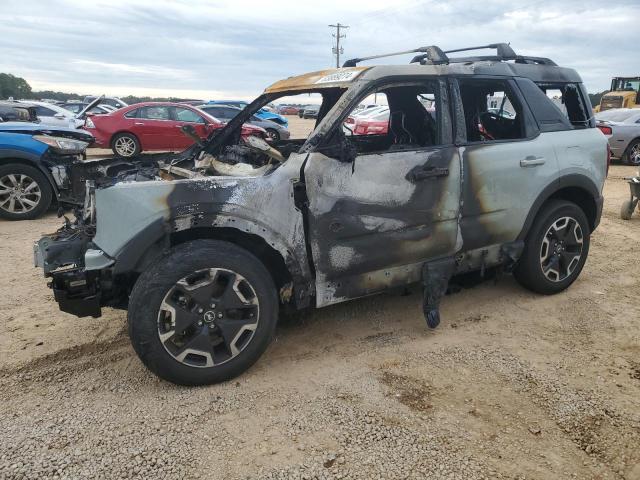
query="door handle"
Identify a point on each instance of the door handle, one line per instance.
(532, 161)
(429, 172)
(138, 123)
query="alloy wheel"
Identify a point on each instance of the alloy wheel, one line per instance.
(19, 193)
(634, 154)
(208, 317)
(561, 249)
(125, 146)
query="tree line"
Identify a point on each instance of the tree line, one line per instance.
(19, 88)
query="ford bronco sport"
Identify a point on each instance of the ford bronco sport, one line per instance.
(479, 169)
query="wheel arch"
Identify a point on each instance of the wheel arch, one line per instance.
(577, 189)
(257, 245)
(128, 132)
(287, 271)
(35, 163)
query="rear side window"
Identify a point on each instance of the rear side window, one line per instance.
(568, 98)
(44, 111)
(155, 113)
(556, 107)
(492, 111)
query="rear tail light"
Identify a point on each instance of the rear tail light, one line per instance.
(606, 130)
(88, 123)
(608, 158)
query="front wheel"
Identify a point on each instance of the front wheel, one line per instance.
(25, 193)
(556, 248)
(203, 314)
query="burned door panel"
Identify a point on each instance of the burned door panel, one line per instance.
(372, 220)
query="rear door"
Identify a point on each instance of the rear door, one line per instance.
(506, 162)
(374, 221)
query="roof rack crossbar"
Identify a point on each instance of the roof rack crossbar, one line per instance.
(435, 55)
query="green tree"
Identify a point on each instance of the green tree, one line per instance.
(12, 86)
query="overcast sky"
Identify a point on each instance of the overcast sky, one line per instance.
(222, 49)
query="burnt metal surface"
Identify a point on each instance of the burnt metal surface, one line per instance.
(372, 216)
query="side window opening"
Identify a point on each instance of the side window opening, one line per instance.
(399, 117)
(567, 97)
(133, 113)
(491, 111)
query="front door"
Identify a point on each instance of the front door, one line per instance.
(375, 220)
(154, 127)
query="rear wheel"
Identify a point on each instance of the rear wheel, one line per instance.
(25, 193)
(626, 211)
(273, 134)
(556, 248)
(125, 145)
(632, 155)
(203, 314)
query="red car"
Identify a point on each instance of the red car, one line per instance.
(369, 125)
(154, 126)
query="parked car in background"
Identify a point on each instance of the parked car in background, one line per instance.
(310, 111)
(113, 101)
(56, 116)
(77, 107)
(17, 112)
(376, 124)
(153, 126)
(33, 158)
(261, 113)
(288, 110)
(622, 128)
(225, 113)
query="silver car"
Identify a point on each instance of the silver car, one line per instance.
(622, 128)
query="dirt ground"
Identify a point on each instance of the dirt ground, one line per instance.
(511, 385)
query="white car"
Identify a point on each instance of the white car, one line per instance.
(55, 116)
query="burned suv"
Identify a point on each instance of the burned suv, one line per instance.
(478, 169)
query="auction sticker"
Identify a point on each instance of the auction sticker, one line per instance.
(345, 76)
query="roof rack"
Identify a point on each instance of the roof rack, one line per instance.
(434, 55)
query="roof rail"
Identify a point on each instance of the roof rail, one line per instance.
(434, 54)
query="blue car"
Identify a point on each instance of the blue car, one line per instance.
(261, 114)
(34, 167)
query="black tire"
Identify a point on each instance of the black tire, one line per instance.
(155, 285)
(530, 271)
(632, 153)
(130, 145)
(273, 134)
(626, 211)
(24, 176)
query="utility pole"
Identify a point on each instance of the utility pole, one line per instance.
(337, 49)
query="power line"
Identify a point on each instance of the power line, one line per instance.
(337, 49)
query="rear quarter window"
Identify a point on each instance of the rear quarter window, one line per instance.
(557, 107)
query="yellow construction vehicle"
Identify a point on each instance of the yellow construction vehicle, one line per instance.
(624, 93)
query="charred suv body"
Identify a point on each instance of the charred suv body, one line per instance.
(206, 253)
